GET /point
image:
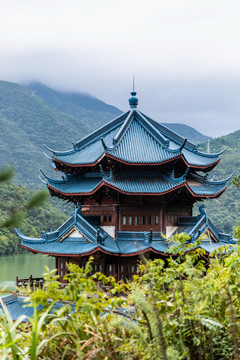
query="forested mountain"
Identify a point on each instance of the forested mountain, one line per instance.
(225, 211)
(75, 103)
(27, 122)
(34, 115)
(72, 103)
(188, 132)
(37, 219)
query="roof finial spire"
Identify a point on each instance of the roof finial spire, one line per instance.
(133, 100)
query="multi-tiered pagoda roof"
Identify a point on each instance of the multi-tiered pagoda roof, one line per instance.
(132, 181)
(138, 143)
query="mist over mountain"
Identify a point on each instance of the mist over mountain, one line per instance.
(27, 122)
(34, 114)
(71, 103)
(74, 103)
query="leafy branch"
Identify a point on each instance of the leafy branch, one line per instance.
(17, 213)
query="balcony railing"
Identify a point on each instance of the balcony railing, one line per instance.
(30, 282)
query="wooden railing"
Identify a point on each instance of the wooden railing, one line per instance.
(30, 282)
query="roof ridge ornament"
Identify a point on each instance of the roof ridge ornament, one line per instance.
(148, 235)
(102, 173)
(202, 211)
(133, 100)
(181, 178)
(214, 155)
(77, 211)
(166, 146)
(195, 149)
(205, 178)
(100, 238)
(107, 148)
(109, 177)
(217, 182)
(75, 147)
(183, 144)
(44, 236)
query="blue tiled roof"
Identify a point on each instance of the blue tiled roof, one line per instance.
(18, 306)
(134, 138)
(139, 146)
(132, 246)
(93, 238)
(80, 184)
(210, 246)
(199, 225)
(129, 183)
(207, 189)
(68, 247)
(134, 183)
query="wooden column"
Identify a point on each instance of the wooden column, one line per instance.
(164, 220)
(116, 222)
(56, 265)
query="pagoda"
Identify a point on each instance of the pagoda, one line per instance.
(133, 182)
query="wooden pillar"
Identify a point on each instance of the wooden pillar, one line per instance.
(56, 265)
(119, 219)
(118, 269)
(164, 220)
(160, 221)
(116, 223)
(104, 265)
(58, 261)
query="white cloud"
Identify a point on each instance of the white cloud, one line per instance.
(96, 46)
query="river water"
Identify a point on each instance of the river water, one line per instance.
(22, 266)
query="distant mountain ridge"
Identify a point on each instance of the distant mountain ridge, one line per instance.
(34, 114)
(70, 102)
(188, 132)
(27, 122)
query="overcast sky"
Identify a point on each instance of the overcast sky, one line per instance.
(185, 54)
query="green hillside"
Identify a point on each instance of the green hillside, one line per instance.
(79, 105)
(75, 103)
(27, 122)
(34, 115)
(37, 219)
(225, 211)
(188, 132)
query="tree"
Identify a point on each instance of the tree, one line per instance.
(236, 181)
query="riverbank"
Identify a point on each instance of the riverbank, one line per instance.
(23, 266)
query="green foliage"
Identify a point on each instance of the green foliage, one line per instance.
(6, 174)
(21, 207)
(236, 181)
(187, 310)
(224, 211)
(28, 121)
